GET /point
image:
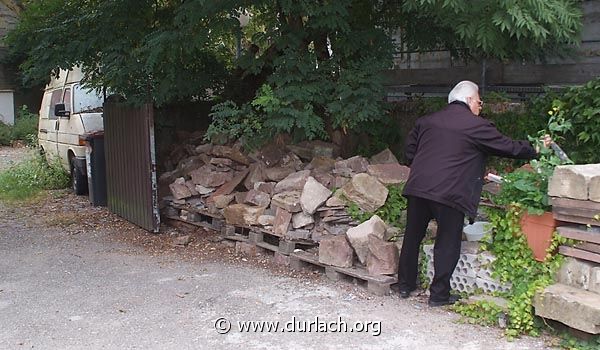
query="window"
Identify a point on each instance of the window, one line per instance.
(86, 100)
(56, 98)
(67, 99)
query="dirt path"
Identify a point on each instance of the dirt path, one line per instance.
(73, 276)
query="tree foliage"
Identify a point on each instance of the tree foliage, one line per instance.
(309, 66)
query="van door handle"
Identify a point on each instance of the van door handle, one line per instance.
(56, 125)
(43, 131)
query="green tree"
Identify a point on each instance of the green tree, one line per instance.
(310, 66)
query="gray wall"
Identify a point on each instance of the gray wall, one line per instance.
(440, 69)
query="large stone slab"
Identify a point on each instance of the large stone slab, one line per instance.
(289, 201)
(203, 190)
(231, 153)
(366, 191)
(302, 219)
(299, 234)
(335, 200)
(326, 179)
(389, 174)
(193, 189)
(221, 162)
(179, 190)
(204, 148)
(313, 195)
(574, 307)
(278, 173)
(575, 181)
(321, 164)
(359, 236)
(335, 251)
(271, 154)
(258, 198)
(384, 157)
(266, 187)
(310, 149)
(594, 188)
(223, 200)
(242, 214)
(230, 185)
(208, 176)
(294, 181)
(190, 164)
(282, 221)
(256, 174)
(357, 164)
(266, 220)
(383, 257)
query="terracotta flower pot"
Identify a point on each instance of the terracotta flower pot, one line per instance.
(538, 229)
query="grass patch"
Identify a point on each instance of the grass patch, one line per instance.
(28, 178)
(25, 129)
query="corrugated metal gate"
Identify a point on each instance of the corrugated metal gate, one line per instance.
(131, 164)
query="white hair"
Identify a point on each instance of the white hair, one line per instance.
(462, 90)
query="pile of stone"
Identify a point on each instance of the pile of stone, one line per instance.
(298, 192)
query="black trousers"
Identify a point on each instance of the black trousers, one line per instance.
(446, 250)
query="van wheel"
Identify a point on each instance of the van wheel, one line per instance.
(78, 180)
(42, 153)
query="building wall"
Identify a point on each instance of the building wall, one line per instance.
(440, 69)
(7, 107)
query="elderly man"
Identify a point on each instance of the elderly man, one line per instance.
(447, 153)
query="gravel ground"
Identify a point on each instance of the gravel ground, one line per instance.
(73, 276)
(12, 155)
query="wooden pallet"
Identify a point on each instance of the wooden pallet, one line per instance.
(578, 234)
(204, 218)
(579, 254)
(576, 211)
(379, 285)
(263, 238)
(203, 224)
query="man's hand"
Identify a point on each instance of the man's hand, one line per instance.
(546, 141)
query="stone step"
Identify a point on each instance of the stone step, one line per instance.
(580, 274)
(574, 307)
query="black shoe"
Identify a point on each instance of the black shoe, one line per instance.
(451, 300)
(404, 293)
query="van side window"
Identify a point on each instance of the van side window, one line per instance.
(67, 99)
(56, 98)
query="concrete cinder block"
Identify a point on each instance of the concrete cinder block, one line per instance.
(490, 286)
(463, 284)
(486, 258)
(485, 273)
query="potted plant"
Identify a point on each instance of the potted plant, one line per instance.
(528, 185)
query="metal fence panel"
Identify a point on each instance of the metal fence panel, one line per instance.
(131, 164)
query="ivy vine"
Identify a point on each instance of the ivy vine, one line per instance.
(515, 264)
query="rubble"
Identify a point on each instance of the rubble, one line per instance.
(299, 193)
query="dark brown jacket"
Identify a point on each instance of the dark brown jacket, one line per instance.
(447, 152)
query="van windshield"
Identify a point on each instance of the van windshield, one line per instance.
(86, 100)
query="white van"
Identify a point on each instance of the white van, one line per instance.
(69, 111)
